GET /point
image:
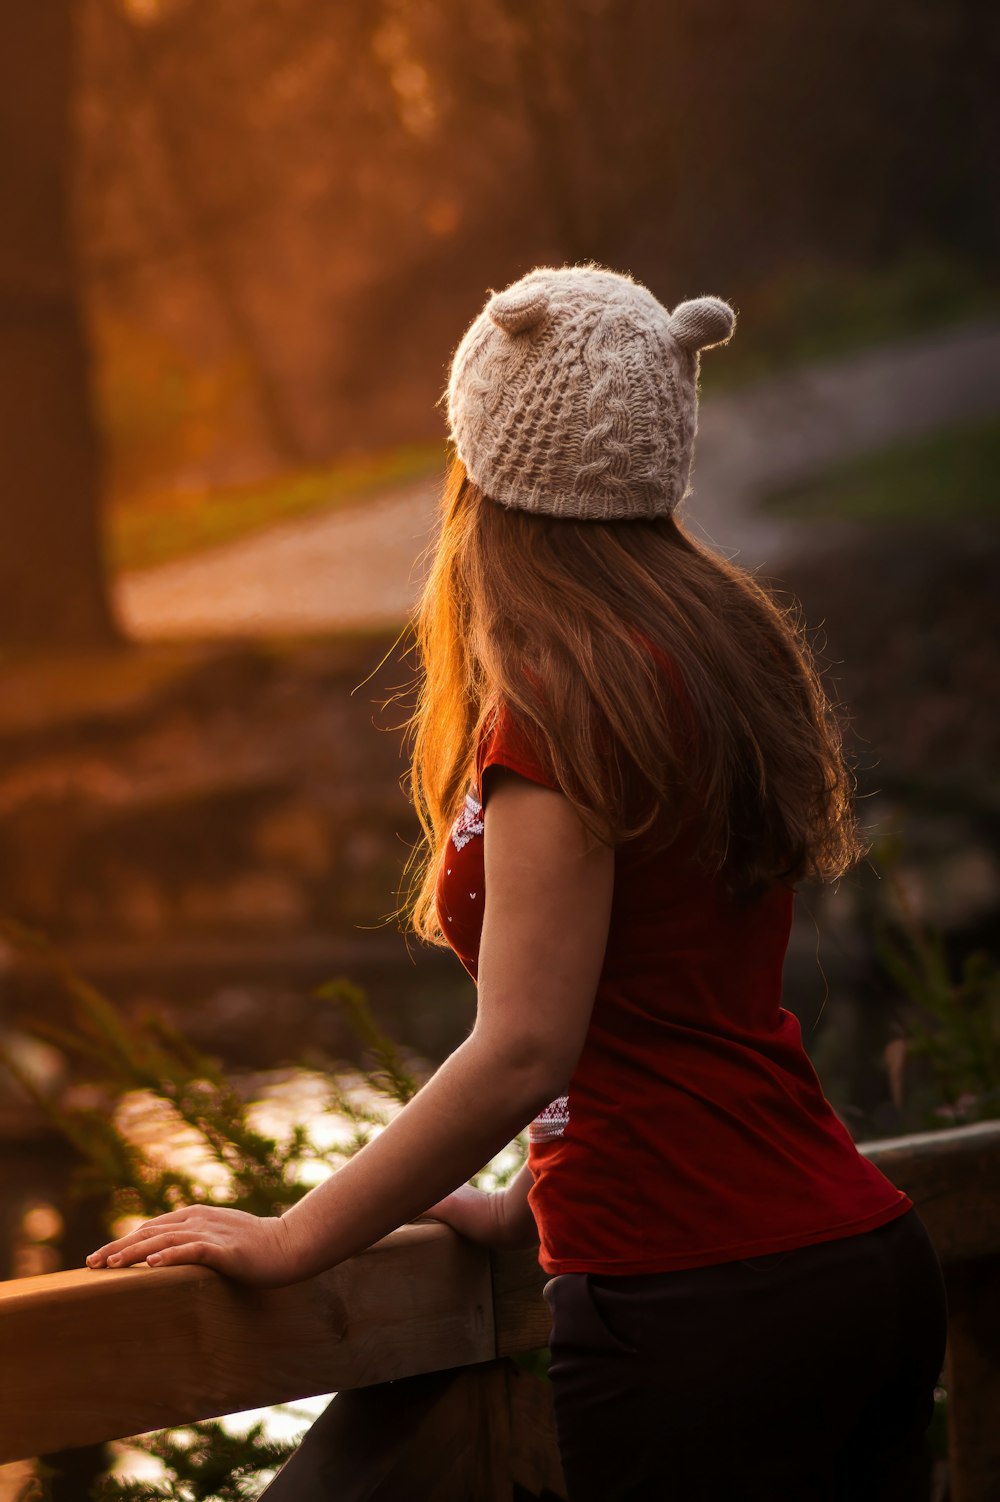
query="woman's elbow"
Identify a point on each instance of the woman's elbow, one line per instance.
(531, 1070)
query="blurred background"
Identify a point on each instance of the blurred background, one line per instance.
(240, 243)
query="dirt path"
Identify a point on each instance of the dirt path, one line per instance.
(362, 568)
(355, 568)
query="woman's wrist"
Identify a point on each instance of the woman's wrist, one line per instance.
(513, 1223)
(497, 1220)
(467, 1211)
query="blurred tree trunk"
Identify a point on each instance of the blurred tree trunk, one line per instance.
(179, 155)
(53, 590)
(586, 79)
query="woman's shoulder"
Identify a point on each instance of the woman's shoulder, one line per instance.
(506, 741)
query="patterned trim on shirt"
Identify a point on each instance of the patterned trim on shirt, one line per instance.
(469, 822)
(552, 1122)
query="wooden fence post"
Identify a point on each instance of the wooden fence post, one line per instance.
(972, 1374)
(473, 1434)
(481, 1433)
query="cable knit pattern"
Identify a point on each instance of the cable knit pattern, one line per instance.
(575, 393)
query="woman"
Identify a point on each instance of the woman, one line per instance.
(624, 763)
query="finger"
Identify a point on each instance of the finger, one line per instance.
(112, 1248)
(188, 1252)
(141, 1233)
(138, 1251)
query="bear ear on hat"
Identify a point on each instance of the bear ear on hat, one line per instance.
(518, 309)
(702, 323)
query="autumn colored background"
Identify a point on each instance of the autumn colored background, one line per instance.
(240, 243)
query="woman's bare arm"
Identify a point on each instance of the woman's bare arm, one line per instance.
(545, 925)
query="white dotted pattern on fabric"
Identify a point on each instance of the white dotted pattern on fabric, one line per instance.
(468, 824)
(552, 1122)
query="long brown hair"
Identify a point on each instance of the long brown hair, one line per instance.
(546, 616)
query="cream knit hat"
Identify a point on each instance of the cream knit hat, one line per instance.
(575, 393)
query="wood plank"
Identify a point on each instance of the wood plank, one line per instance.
(460, 1451)
(94, 1355)
(439, 1438)
(359, 1443)
(953, 1178)
(535, 1463)
(520, 1314)
(15, 1479)
(447, 1437)
(87, 1356)
(973, 1380)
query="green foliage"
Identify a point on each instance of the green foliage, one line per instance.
(822, 309)
(387, 1073)
(953, 1019)
(907, 482)
(113, 1056)
(149, 1054)
(937, 1433)
(203, 1463)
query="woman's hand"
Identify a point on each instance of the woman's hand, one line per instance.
(254, 1249)
(469, 1212)
(502, 1219)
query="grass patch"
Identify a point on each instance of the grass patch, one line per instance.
(822, 310)
(155, 528)
(950, 476)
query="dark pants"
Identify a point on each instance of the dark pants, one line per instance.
(802, 1376)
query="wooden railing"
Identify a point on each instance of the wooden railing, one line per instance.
(88, 1356)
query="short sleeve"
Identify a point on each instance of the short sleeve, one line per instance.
(505, 744)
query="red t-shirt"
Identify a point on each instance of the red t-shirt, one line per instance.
(694, 1129)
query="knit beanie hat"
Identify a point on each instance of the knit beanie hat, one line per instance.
(575, 393)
